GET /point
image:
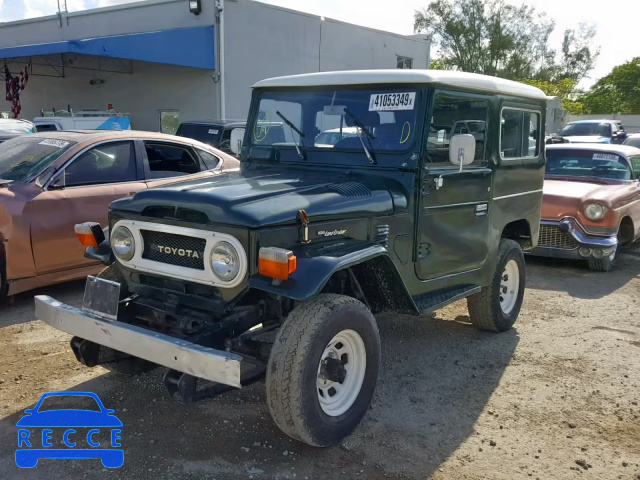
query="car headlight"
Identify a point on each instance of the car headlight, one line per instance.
(595, 211)
(225, 261)
(123, 244)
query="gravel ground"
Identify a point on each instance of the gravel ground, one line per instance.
(555, 398)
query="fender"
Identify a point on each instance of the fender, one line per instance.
(317, 263)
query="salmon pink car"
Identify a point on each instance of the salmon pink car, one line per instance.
(51, 181)
(591, 202)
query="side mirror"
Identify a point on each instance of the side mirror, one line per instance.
(462, 150)
(237, 136)
(58, 183)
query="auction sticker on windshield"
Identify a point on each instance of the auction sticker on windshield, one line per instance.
(605, 156)
(54, 143)
(382, 102)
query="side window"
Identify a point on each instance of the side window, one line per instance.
(635, 164)
(454, 115)
(106, 163)
(168, 160)
(519, 134)
(209, 159)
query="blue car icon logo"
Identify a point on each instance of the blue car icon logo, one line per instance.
(91, 432)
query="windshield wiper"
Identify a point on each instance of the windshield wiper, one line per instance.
(362, 128)
(293, 128)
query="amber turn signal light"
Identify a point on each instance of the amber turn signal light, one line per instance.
(276, 263)
(89, 234)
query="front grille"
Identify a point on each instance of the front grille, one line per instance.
(179, 250)
(551, 236)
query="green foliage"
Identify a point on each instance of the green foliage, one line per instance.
(565, 89)
(438, 64)
(496, 38)
(618, 92)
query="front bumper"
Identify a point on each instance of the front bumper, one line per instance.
(580, 245)
(181, 355)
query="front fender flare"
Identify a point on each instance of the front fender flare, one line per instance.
(318, 263)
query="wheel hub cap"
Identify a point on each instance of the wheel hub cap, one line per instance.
(341, 372)
(509, 287)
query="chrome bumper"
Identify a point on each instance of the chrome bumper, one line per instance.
(572, 228)
(202, 362)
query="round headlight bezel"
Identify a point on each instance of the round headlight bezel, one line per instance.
(127, 233)
(592, 215)
(236, 260)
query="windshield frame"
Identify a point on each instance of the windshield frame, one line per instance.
(342, 157)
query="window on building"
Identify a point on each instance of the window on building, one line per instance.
(405, 62)
(106, 163)
(454, 115)
(169, 121)
(166, 160)
(520, 134)
(5, 114)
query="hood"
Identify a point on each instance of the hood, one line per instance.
(587, 139)
(266, 197)
(564, 198)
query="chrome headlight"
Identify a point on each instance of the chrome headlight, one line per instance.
(123, 244)
(595, 211)
(225, 261)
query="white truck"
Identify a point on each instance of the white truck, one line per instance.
(82, 120)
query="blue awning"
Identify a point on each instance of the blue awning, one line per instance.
(188, 47)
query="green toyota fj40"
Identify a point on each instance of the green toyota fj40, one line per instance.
(280, 268)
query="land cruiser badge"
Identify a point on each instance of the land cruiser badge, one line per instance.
(331, 233)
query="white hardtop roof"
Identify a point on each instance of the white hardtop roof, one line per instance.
(625, 150)
(472, 81)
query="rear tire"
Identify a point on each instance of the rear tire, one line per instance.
(496, 307)
(323, 369)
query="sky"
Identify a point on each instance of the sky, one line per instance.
(616, 21)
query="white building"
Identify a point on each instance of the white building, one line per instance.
(157, 59)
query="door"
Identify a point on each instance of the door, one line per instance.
(167, 162)
(81, 193)
(453, 223)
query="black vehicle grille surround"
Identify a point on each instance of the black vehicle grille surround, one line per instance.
(177, 250)
(552, 237)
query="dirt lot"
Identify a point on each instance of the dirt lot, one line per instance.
(556, 398)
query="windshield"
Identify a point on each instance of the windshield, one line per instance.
(632, 142)
(209, 134)
(15, 127)
(332, 119)
(587, 163)
(24, 158)
(586, 130)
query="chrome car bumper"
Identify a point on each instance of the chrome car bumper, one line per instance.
(202, 362)
(569, 240)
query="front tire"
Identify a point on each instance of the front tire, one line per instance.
(496, 307)
(604, 264)
(323, 369)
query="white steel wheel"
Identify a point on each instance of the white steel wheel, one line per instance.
(341, 372)
(509, 286)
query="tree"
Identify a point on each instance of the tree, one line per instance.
(618, 92)
(496, 38)
(564, 89)
(438, 64)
